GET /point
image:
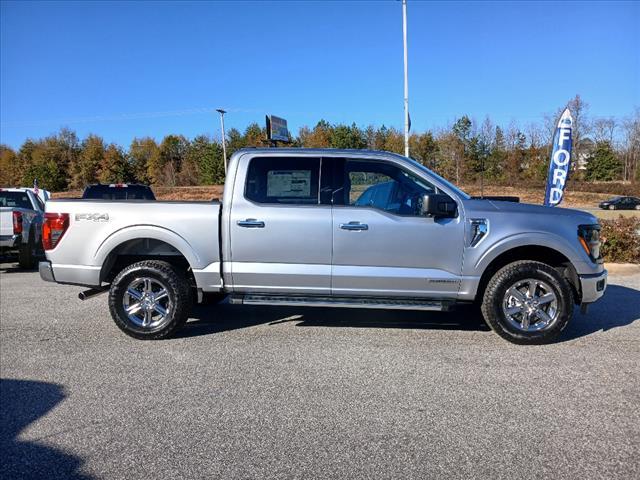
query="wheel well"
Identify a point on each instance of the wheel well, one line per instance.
(139, 249)
(535, 253)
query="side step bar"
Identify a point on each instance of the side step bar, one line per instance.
(341, 302)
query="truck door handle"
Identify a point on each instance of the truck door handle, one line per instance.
(354, 226)
(250, 223)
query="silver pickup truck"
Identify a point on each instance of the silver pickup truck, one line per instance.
(336, 228)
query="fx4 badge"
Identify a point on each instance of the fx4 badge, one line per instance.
(92, 217)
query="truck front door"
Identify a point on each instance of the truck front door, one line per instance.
(382, 246)
(280, 233)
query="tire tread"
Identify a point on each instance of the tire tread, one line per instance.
(492, 298)
(183, 301)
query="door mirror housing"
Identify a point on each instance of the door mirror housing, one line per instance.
(438, 205)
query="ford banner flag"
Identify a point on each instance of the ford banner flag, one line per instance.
(560, 161)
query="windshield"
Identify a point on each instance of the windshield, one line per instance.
(449, 185)
(15, 199)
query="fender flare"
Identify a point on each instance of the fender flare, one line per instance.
(525, 239)
(137, 232)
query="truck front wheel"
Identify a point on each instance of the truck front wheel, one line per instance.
(149, 300)
(528, 302)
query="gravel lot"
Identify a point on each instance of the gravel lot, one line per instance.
(316, 393)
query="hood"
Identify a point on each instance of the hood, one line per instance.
(580, 216)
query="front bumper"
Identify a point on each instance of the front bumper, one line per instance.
(593, 286)
(46, 272)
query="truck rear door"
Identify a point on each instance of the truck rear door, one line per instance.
(280, 233)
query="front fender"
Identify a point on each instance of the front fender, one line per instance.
(523, 239)
(137, 232)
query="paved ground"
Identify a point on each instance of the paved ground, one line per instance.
(316, 393)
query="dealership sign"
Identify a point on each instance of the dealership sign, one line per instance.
(277, 129)
(560, 161)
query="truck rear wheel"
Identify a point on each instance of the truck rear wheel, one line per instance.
(149, 300)
(528, 302)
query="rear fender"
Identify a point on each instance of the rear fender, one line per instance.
(147, 231)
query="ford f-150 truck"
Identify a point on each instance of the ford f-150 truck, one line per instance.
(336, 228)
(21, 211)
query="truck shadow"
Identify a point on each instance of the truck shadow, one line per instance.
(618, 308)
(9, 264)
(214, 319)
(23, 402)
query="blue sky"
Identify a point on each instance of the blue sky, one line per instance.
(123, 70)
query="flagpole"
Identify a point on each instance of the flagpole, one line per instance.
(406, 79)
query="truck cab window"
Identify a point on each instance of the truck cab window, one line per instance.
(283, 180)
(383, 186)
(15, 200)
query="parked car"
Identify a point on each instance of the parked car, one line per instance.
(292, 229)
(621, 203)
(21, 213)
(118, 191)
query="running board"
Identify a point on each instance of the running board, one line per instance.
(341, 302)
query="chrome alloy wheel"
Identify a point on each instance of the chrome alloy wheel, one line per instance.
(147, 304)
(530, 305)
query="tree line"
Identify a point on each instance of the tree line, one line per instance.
(461, 152)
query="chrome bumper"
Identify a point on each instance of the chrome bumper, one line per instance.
(593, 286)
(46, 272)
(10, 241)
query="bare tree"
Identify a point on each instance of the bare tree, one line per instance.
(581, 126)
(549, 123)
(604, 129)
(487, 131)
(535, 135)
(631, 146)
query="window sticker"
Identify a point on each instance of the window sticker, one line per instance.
(289, 183)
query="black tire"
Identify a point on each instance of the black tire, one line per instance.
(26, 254)
(178, 294)
(612, 207)
(492, 302)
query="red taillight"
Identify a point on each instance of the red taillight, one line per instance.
(53, 227)
(17, 223)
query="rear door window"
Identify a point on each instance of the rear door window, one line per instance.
(283, 180)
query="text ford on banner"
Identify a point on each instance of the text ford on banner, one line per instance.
(560, 161)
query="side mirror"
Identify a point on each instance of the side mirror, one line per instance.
(438, 205)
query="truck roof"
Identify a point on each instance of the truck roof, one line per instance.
(43, 194)
(334, 152)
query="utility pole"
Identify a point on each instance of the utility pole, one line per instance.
(406, 79)
(224, 139)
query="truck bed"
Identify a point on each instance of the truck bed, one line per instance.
(101, 229)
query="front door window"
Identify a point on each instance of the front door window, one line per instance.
(383, 186)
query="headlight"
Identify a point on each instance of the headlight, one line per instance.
(589, 237)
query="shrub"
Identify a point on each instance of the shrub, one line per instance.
(621, 239)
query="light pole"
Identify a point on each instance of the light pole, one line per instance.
(224, 139)
(406, 79)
